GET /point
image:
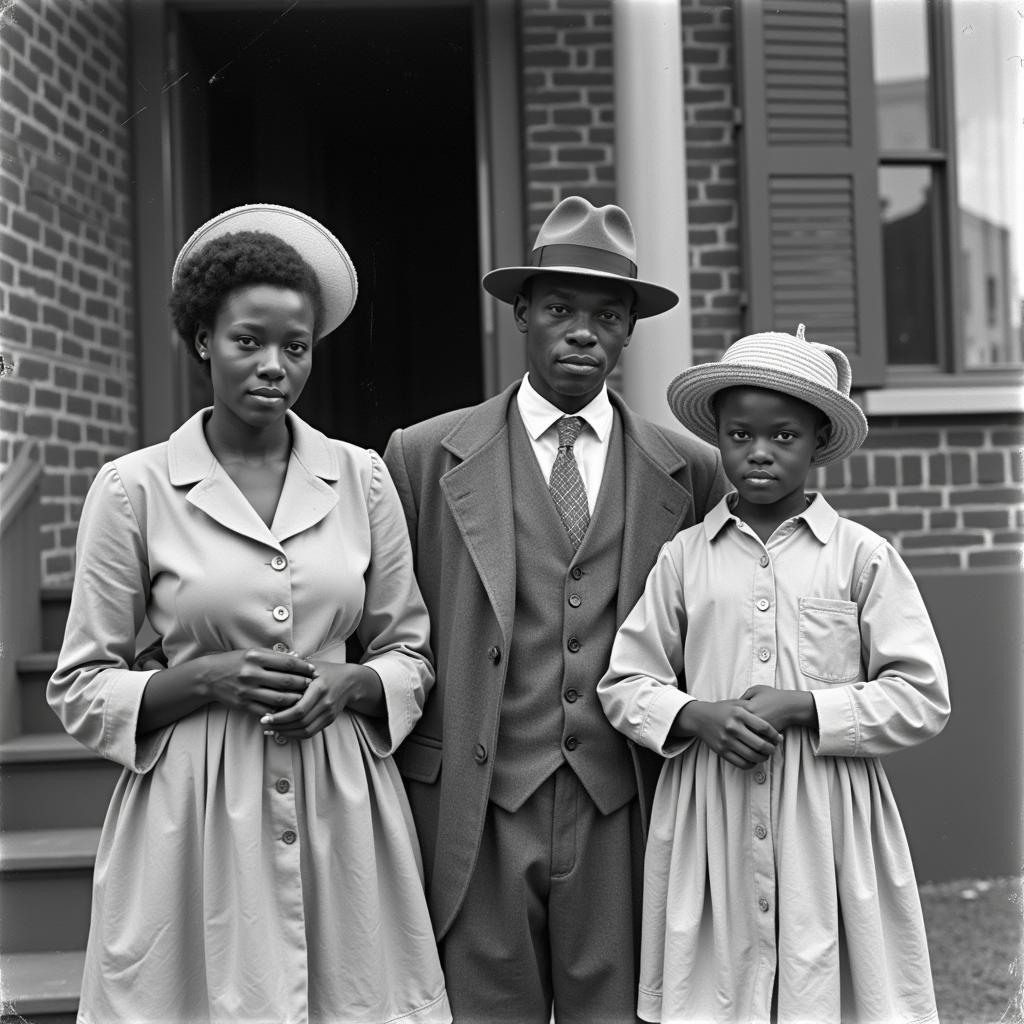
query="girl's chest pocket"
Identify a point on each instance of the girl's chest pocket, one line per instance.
(829, 641)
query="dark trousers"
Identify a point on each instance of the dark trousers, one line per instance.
(552, 914)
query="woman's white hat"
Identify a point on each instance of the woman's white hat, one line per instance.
(817, 374)
(313, 242)
(579, 238)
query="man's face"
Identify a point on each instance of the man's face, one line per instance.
(576, 328)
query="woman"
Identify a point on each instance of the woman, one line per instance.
(258, 860)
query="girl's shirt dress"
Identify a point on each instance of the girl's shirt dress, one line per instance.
(240, 877)
(795, 874)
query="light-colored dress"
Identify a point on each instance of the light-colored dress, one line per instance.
(796, 873)
(242, 879)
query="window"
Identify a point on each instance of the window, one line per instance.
(882, 146)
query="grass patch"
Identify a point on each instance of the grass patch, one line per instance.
(975, 941)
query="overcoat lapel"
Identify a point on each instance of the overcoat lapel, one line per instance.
(479, 494)
(656, 505)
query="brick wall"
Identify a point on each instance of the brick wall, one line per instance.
(946, 491)
(65, 250)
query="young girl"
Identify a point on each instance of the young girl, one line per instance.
(776, 652)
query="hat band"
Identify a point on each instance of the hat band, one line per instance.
(586, 257)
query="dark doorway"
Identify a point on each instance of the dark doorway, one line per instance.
(363, 118)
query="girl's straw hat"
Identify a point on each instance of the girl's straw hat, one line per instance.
(580, 238)
(313, 242)
(816, 374)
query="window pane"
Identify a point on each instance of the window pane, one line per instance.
(988, 67)
(902, 74)
(908, 236)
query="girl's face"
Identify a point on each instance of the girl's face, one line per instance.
(768, 441)
(260, 350)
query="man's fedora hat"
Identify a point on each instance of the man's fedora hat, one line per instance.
(314, 243)
(817, 374)
(579, 238)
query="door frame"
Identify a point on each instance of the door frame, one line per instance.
(162, 182)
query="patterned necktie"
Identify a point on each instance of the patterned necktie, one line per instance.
(566, 484)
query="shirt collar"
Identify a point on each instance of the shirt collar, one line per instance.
(820, 517)
(539, 415)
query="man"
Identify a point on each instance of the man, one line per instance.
(535, 518)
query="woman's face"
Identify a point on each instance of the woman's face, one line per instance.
(260, 350)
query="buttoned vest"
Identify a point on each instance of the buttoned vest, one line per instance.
(561, 638)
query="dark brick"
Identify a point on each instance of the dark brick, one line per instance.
(918, 499)
(53, 316)
(986, 496)
(91, 384)
(885, 470)
(892, 522)
(572, 115)
(991, 468)
(912, 469)
(710, 214)
(916, 560)
(36, 425)
(32, 369)
(965, 438)
(11, 330)
(1008, 537)
(78, 406)
(86, 458)
(10, 419)
(84, 329)
(857, 466)
(889, 438)
(995, 557)
(68, 430)
(959, 539)
(14, 391)
(56, 455)
(942, 519)
(989, 518)
(960, 469)
(46, 399)
(850, 501)
(938, 471)
(72, 349)
(1013, 438)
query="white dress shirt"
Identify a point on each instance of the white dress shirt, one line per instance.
(591, 449)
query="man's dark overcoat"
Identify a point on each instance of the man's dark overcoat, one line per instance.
(452, 474)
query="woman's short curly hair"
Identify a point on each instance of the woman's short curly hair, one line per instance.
(233, 261)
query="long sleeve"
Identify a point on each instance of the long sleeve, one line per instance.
(905, 698)
(93, 691)
(640, 692)
(394, 629)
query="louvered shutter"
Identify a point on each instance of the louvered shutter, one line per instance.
(811, 217)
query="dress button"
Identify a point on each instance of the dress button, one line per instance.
(576, 572)
(288, 836)
(281, 648)
(575, 600)
(573, 644)
(571, 743)
(760, 831)
(759, 777)
(763, 605)
(278, 562)
(494, 654)
(280, 613)
(572, 695)
(282, 785)
(764, 561)
(279, 739)
(764, 654)
(763, 904)
(480, 753)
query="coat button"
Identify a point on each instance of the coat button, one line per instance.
(576, 573)
(575, 600)
(573, 644)
(280, 613)
(278, 562)
(764, 561)
(572, 695)
(763, 904)
(495, 655)
(763, 605)
(760, 831)
(281, 648)
(480, 753)
(282, 785)
(759, 777)
(571, 743)
(288, 836)
(764, 654)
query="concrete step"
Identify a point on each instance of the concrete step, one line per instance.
(34, 671)
(41, 988)
(54, 602)
(46, 888)
(49, 780)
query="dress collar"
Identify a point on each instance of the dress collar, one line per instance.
(820, 517)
